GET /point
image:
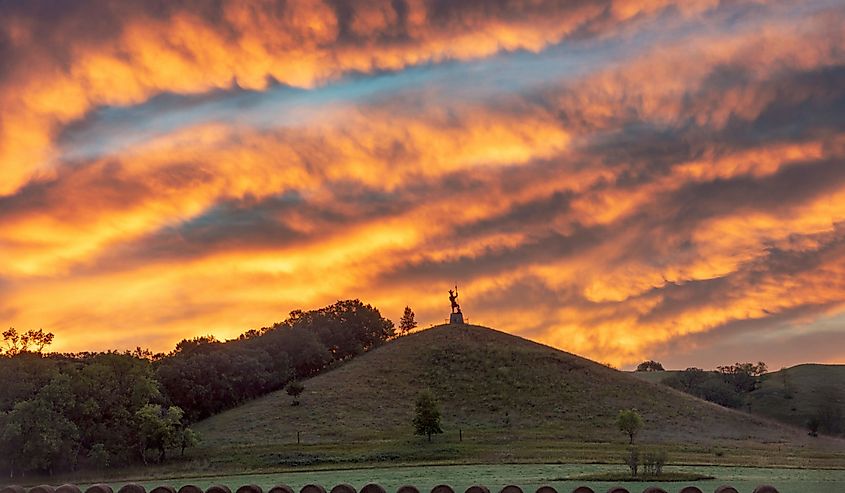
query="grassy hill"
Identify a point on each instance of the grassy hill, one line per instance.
(511, 399)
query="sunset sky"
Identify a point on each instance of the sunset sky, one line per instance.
(622, 179)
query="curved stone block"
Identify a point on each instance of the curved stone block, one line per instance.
(44, 488)
(68, 488)
(583, 489)
(372, 488)
(691, 489)
(165, 488)
(546, 489)
(407, 489)
(511, 488)
(617, 489)
(442, 488)
(99, 488)
(280, 488)
(217, 488)
(726, 488)
(343, 488)
(250, 488)
(654, 489)
(13, 489)
(312, 488)
(191, 488)
(765, 488)
(132, 488)
(477, 488)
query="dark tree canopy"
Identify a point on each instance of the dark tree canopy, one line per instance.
(630, 422)
(63, 412)
(294, 389)
(650, 365)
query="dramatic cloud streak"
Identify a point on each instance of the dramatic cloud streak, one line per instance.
(619, 179)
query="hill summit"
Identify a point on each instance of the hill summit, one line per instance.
(487, 383)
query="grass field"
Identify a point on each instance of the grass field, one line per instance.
(527, 476)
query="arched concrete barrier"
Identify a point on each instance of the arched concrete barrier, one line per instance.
(44, 488)
(131, 488)
(583, 489)
(279, 488)
(68, 488)
(442, 488)
(617, 489)
(765, 488)
(511, 488)
(726, 488)
(407, 489)
(546, 489)
(477, 488)
(250, 488)
(654, 489)
(372, 488)
(343, 488)
(163, 489)
(191, 488)
(13, 488)
(691, 489)
(99, 488)
(312, 488)
(217, 488)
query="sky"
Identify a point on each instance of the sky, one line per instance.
(621, 179)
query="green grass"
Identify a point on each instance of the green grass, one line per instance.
(625, 477)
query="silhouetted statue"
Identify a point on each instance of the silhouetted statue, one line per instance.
(453, 297)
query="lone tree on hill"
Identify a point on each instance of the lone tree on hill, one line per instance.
(650, 365)
(293, 389)
(427, 418)
(629, 422)
(407, 322)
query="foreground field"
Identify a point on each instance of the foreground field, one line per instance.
(527, 476)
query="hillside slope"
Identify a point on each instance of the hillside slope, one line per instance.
(487, 382)
(791, 395)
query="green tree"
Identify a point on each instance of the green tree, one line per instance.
(407, 323)
(294, 389)
(159, 429)
(629, 422)
(427, 416)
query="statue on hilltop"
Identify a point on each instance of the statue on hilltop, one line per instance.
(456, 317)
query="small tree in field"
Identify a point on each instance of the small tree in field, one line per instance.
(407, 322)
(294, 389)
(427, 417)
(629, 422)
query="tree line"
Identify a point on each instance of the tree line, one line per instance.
(62, 412)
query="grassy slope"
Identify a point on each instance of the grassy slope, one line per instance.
(514, 400)
(791, 395)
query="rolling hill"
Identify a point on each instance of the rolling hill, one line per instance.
(790, 395)
(495, 388)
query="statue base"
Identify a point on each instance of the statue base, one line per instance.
(456, 318)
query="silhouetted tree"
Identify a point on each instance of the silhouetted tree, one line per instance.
(632, 460)
(32, 341)
(427, 416)
(650, 365)
(294, 389)
(407, 322)
(629, 422)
